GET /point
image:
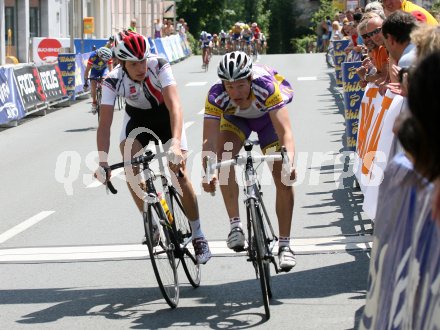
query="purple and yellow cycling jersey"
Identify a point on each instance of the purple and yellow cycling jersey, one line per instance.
(97, 63)
(269, 91)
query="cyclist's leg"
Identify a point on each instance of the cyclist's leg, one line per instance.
(284, 198)
(93, 90)
(133, 140)
(129, 149)
(284, 193)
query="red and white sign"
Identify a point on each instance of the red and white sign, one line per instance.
(45, 50)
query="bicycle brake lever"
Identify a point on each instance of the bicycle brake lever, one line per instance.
(109, 186)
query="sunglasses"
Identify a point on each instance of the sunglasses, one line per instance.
(370, 34)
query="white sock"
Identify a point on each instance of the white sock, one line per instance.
(235, 222)
(196, 228)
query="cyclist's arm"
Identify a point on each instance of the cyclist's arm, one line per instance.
(86, 73)
(103, 133)
(211, 133)
(172, 101)
(281, 122)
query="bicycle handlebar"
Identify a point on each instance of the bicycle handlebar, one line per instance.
(143, 159)
(242, 159)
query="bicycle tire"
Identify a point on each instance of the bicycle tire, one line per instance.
(262, 216)
(260, 252)
(330, 58)
(162, 255)
(183, 234)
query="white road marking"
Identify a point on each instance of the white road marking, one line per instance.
(24, 225)
(201, 112)
(307, 78)
(196, 83)
(188, 124)
(138, 251)
(115, 173)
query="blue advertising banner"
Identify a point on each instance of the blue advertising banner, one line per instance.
(160, 49)
(404, 276)
(88, 44)
(353, 94)
(67, 65)
(11, 104)
(152, 46)
(339, 51)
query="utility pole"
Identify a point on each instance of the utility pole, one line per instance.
(71, 25)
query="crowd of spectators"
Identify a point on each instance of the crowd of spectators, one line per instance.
(398, 45)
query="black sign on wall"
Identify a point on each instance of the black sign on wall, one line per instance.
(52, 82)
(29, 86)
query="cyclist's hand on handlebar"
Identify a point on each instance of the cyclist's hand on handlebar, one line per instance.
(85, 87)
(211, 186)
(103, 173)
(175, 158)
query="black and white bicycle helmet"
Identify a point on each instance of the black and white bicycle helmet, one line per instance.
(234, 66)
(104, 53)
(131, 46)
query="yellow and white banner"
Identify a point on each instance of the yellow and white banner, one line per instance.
(375, 142)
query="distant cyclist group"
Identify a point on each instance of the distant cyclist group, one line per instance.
(245, 37)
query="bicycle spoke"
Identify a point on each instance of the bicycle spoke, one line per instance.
(183, 236)
(162, 255)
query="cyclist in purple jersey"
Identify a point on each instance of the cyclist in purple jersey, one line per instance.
(153, 112)
(99, 63)
(250, 98)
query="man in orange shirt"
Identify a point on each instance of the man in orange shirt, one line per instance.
(371, 32)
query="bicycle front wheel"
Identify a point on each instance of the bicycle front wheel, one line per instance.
(161, 252)
(260, 247)
(183, 237)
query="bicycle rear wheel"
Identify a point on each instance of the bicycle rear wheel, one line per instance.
(183, 236)
(260, 247)
(161, 252)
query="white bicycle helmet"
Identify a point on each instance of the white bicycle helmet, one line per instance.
(234, 66)
(131, 46)
(104, 53)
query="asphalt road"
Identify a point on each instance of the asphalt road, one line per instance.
(70, 255)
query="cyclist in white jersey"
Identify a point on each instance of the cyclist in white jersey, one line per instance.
(153, 112)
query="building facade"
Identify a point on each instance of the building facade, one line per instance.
(21, 20)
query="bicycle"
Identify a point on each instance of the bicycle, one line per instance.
(261, 238)
(330, 56)
(167, 229)
(99, 81)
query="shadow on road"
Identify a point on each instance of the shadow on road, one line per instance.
(235, 305)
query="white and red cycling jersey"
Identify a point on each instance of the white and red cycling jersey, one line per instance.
(144, 100)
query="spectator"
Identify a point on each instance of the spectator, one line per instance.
(170, 27)
(132, 26)
(165, 27)
(158, 28)
(374, 6)
(391, 6)
(421, 128)
(336, 31)
(426, 39)
(396, 31)
(371, 26)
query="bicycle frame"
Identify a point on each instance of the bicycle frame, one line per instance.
(252, 186)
